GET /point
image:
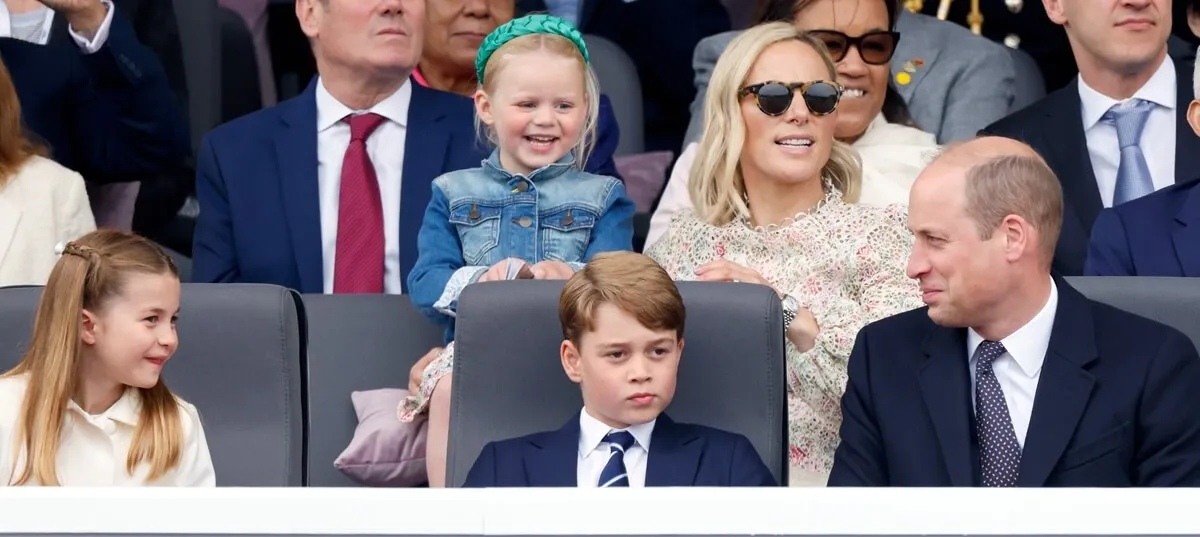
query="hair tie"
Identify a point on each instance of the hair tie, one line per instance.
(527, 25)
(87, 253)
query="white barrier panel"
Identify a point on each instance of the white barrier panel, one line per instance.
(313, 511)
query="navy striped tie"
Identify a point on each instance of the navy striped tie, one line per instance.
(614, 474)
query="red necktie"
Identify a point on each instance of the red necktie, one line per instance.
(358, 261)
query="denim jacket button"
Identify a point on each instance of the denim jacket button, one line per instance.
(523, 221)
(523, 186)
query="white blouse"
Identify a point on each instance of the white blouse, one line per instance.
(94, 447)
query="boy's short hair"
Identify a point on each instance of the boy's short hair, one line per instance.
(630, 281)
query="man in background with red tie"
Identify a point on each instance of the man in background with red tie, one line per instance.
(325, 192)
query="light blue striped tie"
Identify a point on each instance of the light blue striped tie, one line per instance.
(614, 474)
(1133, 174)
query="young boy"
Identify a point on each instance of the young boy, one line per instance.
(622, 320)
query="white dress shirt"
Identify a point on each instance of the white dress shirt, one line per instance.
(386, 148)
(94, 448)
(1158, 137)
(594, 452)
(88, 45)
(1019, 369)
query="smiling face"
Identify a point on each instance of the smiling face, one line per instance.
(129, 338)
(794, 146)
(536, 105)
(866, 84)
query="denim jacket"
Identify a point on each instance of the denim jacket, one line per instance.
(481, 216)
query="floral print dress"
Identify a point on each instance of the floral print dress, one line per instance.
(844, 262)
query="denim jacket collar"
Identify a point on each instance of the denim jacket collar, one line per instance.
(493, 168)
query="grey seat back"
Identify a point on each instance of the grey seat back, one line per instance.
(619, 80)
(238, 362)
(200, 36)
(355, 342)
(508, 378)
(1174, 302)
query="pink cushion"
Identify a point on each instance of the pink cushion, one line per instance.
(644, 174)
(384, 452)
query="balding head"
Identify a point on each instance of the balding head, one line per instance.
(1001, 177)
(986, 215)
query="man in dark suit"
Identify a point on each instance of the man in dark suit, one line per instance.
(344, 167)
(659, 36)
(1119, 130)
(1010, 377)
(98, 98)
(1158, 235)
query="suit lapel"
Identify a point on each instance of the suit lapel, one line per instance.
(553, 460)
(1186, 235)
(1063, 390)
(674, 455)
(10, 214)
(296, 156)
(425, 146)
(1067, 144)
(1187, 144)
(945, 386)
(915, 51)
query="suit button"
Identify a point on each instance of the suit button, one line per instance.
(523, 221)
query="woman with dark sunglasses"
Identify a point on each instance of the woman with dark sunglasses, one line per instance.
(773, 192)
(871, 117)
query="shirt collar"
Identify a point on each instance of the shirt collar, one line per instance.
(592, 432)
(330, 111)
(1028, 344)
(1160, 90)
(125, 410)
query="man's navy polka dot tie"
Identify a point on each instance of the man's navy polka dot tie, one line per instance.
(999, 452)
(614, 474)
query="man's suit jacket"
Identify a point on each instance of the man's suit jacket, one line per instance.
(108, 115)
(1115, 404)
(256, 181)
(663, 58)
(964, 82)
(1155, 235)
(1054, 128)
(681, 455)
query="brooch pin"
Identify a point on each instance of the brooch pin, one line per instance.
(904, 77)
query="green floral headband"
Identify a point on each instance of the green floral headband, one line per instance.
(528, 25)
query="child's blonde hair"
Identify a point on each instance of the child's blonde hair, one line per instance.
(559, 46)
(91, 271)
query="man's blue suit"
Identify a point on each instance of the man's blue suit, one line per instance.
(1155, 235)
(256, 181)
(1115, 404)
(681, 455)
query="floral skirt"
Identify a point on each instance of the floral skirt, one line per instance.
(417, 404)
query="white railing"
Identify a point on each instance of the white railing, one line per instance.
(312, 511)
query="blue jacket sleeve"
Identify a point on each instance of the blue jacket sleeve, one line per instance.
(1108, 250)
(1168, 431)
(608, 136)
(439, 258)
(748, 469)
(483, 472)
(614, 229)
(214, 259)
(859, 459)
(127, 119)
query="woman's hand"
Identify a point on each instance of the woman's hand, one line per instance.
(552, 270)
(804, 330)
(499, 271)
(418, 369)
(723, 270)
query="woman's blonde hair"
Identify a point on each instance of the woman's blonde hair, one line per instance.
(716, 183)
(559, 46)
(16, 146)
(91, 271)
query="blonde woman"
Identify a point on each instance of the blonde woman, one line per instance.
(87, 404)
(773, 192)
(41, 202)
